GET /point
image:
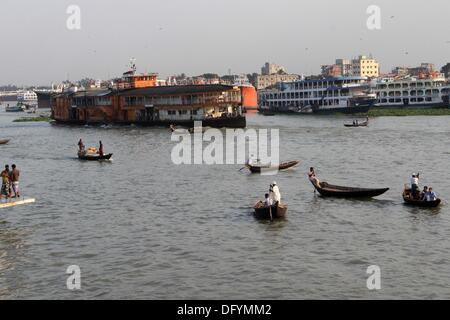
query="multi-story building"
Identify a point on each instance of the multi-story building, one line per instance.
(264, 81)
(333, 70)
(272, 68)
(365, 67)
(345, 65)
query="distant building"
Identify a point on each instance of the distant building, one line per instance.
(333, 70)
(345, 65)
(264, 81)
(446, 70)
(272, 74)
(365, 67)
(271, 68)
(424, 71)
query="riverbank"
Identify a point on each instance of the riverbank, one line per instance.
(403, 112)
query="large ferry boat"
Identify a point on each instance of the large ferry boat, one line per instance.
(136, 99)
(27, 97)
(321, 96)
(412, 92)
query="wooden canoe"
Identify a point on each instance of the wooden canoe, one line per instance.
(280, 167)
(363, 124)
(327, 190)
(5, 141)
(262, 212)
(419, 203)
(89, 157)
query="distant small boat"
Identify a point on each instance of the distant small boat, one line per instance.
(281, 166)
(358, 124)
(264, 213)
(327, 190)
(17, 108)
(409, 200)
(16, 203)
(5, 141)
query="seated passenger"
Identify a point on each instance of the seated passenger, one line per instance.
(423, 194)
(268, 201)
(431, 195)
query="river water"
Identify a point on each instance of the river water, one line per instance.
(141, 227)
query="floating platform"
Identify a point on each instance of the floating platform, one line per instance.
(16, 203)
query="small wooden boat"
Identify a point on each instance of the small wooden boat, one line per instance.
(94, 157)
(327, 190)
(17, 108)
(280, 167)
(409, 200)
(262, 212)
(16, 203)
(5, 141)
(355, 125)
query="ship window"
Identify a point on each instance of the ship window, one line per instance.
(171, 112)
(429, 99)
(413, 99)
(420, 99)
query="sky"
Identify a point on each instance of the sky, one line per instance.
(199, 36)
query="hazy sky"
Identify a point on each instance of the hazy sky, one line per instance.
(198, 36)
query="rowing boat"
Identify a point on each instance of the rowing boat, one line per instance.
(409, 200)
(16, 203)
(355, 125)
(94, 157)
(327, 190)
(5, 141)
(281, 166)
(262, 212)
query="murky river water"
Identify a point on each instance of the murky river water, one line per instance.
(142, 227)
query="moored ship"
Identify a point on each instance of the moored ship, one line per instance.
(346, 95)
(412, 92)
(136, 99)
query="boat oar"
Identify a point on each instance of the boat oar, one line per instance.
(270, 211)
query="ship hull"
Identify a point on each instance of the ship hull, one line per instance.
(236, 122)
(343, 110)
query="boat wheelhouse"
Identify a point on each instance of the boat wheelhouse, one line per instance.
(326, 95)
(412, 93)
(214, 105)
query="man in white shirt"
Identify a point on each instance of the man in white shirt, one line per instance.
(275, 193)
(415, 184)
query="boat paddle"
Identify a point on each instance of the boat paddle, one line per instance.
(270, 211)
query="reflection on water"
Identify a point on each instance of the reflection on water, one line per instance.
(141, 227)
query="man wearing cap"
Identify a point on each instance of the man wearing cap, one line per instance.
(275, 193)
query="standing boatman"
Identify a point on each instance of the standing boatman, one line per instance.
(275, 194)
(100, 149)
(81, 145)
